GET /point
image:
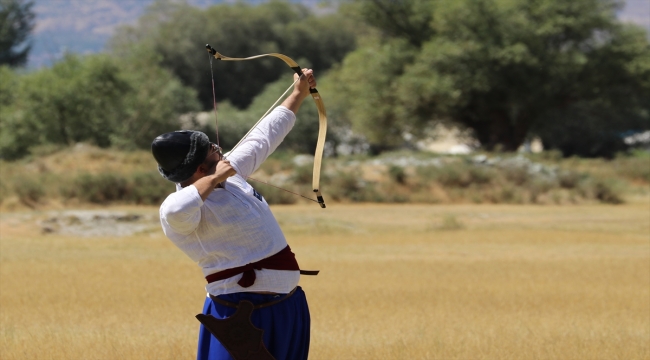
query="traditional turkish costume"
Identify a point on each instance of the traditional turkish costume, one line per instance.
(237, 242)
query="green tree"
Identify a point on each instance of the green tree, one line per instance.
(16, 24)
(14, 138)
(234, 123)
(507, 70)
(154, 105)
(363, 94)
(178, 33)
(76, 100)
(93, 99)
(407, 19)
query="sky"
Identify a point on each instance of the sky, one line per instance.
(83, 26)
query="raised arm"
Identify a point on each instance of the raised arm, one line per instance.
(300, 90)
(269, 133)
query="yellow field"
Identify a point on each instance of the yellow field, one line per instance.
(396, 282)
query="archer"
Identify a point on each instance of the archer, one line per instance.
(227, 228)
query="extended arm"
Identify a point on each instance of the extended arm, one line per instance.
(254, 149)
(300, 90)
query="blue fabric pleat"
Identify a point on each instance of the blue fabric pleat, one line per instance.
(286, 325)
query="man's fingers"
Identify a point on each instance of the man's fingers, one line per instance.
(309, 75)
(226, 168)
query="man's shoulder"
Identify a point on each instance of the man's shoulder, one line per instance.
(181, 199)
(237, 180)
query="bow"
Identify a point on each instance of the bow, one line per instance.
(322, 115)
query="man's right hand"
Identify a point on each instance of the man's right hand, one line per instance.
(215, 174)
(223, 171)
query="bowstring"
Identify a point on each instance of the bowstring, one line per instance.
(214, 102)
(277, 187)
(266, 113)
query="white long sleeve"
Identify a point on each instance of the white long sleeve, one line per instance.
(262, 141)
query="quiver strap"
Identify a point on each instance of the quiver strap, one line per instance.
(237, 334)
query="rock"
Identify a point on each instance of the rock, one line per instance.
(303, 160)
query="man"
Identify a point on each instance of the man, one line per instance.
(227, 228)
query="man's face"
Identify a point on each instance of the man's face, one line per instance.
(214, 156)
(214, 149)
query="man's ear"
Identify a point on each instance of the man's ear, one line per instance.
(202, 169)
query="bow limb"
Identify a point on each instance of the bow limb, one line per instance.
(322, 115)
(320, 146)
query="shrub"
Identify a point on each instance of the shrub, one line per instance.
(509, 194)
(29, 190)
(603, 190)
(101, 188)
(303, 174)
(426, 173)
(4, 190)
(397, 174)
(346, 185)
(569, 179)
(634, 167)
(516, 174)
(148, 188)
(606, 192)
(276, 196)
(450, 222)
(538, 187)
(454, 175)
(481, 175)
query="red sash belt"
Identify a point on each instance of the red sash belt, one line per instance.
(283, 260)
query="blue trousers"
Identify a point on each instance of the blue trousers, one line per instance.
(286, 325)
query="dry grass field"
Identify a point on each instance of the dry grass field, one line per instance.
(396, 282)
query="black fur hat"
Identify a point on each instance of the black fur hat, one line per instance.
(179, 153)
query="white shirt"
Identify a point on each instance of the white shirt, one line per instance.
(234, 226)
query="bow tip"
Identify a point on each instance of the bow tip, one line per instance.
(321, 202)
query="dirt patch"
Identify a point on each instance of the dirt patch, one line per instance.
(90, 223)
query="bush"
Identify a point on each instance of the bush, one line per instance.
(516, 174)
(29, 190)
(603, 190)
(450, 222)
(538, 187)
(606, 192)
(453, 175)
(276, 196)
(635, 167)
(4, 188)
(346, 185)
(510, 195)
(303, 174)
(101, 188)
(148, 188)
(458, 175)
(482, 175)
(569, 179)
(95, 99)
(397, 174)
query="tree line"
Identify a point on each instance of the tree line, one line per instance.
(568, 72)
